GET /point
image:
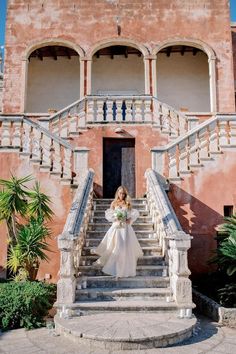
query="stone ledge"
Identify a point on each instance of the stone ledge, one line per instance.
(210, 308)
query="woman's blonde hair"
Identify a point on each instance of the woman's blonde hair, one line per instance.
(127, 198)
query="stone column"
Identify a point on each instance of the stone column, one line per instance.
(89, 76)
(24, 77)
(67, 284)
(154, 76)
(212, 84)
(147, 76)
(82, 88)
(81, 155)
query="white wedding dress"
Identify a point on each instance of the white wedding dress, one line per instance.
(119, 250)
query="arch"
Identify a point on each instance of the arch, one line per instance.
(196, 43)
(117, 41)
(50, 42)
(204, 47)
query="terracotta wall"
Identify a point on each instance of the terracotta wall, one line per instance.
(86, 23)
(199, 205)
(61, 201)
(233, 28)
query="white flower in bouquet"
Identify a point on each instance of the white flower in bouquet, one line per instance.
(121, 216)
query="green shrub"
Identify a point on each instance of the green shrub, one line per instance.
(25, 304)
(227, 295)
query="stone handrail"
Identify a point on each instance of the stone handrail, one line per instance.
(43, 147)
(71, 241)
(173, 241)
(169, 119)
(129, 109)
(197, 145)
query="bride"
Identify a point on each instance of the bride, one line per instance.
(119, 250)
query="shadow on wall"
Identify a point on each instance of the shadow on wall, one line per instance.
(199, 220)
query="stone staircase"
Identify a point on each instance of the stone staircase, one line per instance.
(104, 308)
(103, 293)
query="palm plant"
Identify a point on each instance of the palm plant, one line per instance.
(30, 248)
(13, 202)
(24, 211)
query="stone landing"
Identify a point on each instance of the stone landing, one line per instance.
(126, 331)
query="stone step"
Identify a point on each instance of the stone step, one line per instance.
(143, 241)
(126, 331)
(147, 250)
(122, 294)
(89, 307)
(145, 260)
(104, 227)
(103, 220)
(109, 201)
(149, 270)
(101, 213)
(140, 234)
(108, 281)
(139, 207)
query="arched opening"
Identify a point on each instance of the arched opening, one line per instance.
(118, 70)
(53, 78)
(183, 78)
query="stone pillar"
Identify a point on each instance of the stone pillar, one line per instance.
(154, 76)
(82, 88)
(67, 284)
(147, 76)
(158, 159)
(89, 77)
(24, 78)
(181, 285)
(80, 162)
(212, 83)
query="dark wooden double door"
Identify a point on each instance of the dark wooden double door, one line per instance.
(118, 165)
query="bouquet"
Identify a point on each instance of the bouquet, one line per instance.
(121, 216)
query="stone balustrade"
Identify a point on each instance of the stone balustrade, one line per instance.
(72, 239)
(200, 144)
(42, 147)
(173, 241)
(105, 109)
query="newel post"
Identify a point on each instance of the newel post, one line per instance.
(181, 285)
(67, 284)
(158, 159)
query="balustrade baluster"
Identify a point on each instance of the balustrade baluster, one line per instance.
(36, 145)
(138, 115)
(26, 140)
(100, 110)
(67, 164)
(16, 139)
(46, 146)
(91, 117)
(193, 151)
(119, 117)
(147, 110)
(157, 113)
(183, 157)
(56, 159)
(204, 144)
(223, 138)
(64, 125)
(129, 110)
(6, 133)
(109, 116)
(232, 133)
(214, 147)
(166, 122)
(173, 167)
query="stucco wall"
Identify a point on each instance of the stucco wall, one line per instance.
(183, 81)
(52, 83)
(119, 75)
(61, 197)
(199, 205)
(86, 24)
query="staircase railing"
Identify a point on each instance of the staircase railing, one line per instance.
(71, 241)
(104, 109)
(173, 241)
(189, 151)
(43, 147)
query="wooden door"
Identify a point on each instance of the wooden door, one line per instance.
(118, 165)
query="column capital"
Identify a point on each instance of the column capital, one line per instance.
(150, 57)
